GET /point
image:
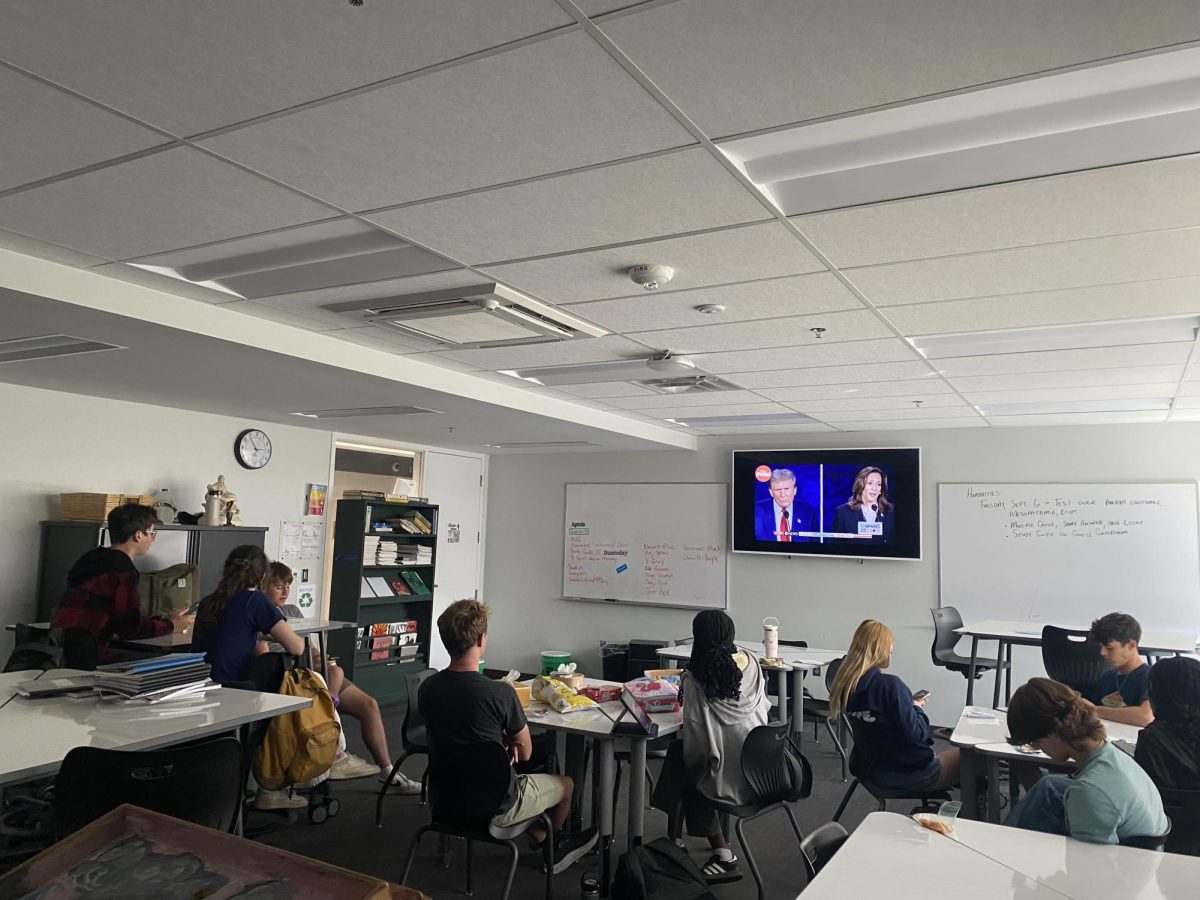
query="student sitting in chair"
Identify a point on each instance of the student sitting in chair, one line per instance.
(1169, 747)
(349, 699)
(1123, 692)
(1108, 799)
(724, 700)
(893, 747)
(462, 707)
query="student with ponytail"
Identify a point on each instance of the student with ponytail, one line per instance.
(1108, 799)
(724, 698)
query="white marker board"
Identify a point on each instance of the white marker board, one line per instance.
(1068, 553)
(656, 544)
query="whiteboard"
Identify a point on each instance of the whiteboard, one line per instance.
(1066, 554)
(657, 544)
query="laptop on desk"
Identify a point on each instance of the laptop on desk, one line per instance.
(641, 724)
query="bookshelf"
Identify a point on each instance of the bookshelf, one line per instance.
(372, 566)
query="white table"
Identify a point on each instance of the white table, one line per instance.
(983, 742)
(598, 726)
(799, 662)
(35, 735)
(891, 856)
(1029, 634)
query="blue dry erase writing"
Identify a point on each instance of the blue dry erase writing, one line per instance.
(621, 568)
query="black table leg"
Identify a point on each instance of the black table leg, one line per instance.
(971, 670)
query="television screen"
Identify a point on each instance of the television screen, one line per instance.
(853, 503)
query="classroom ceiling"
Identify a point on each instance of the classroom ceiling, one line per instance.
(550, 145)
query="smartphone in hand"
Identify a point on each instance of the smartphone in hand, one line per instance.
(920, 696)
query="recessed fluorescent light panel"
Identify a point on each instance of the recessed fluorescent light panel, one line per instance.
(598, 373)
(327, 254)
(1120, 112)
(366, 411)
(542, 445)
(1073, 406)
(49, 345)
(780, 419)
(1057, 337)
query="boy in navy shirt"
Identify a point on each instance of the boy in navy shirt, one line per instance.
(1123, 692)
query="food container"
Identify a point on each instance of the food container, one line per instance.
(573, 681)
(671, 675)
(654, 695)
(523, 693)
(602, 693)
(552, 659)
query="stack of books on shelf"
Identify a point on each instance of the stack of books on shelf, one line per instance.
(176, 676)
(379, 553)
(414, 555)
(413, 523)
(381, 497)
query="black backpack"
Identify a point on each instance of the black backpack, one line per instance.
(659, 871)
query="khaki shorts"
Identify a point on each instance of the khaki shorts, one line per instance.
(535, 794)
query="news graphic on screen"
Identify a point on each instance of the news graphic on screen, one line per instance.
(852, 503)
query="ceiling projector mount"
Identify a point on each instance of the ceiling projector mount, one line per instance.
(651, 277)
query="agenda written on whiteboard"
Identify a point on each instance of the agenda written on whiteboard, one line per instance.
(1051, 516)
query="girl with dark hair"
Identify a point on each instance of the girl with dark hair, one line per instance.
(1169, 747)
(1109, 798)
(867, 505)
(724, 699)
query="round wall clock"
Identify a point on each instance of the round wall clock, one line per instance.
(252, 449)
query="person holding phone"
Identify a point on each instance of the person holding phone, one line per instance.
(893, 748)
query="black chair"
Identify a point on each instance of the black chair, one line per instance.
(817, 711)
(818, 848)
(198, 783)
(412, 737)
(945, 639)
(44, 649)
(466, 787)
(860, 769)
(1183, 809)
(1155, 842)
(779, 775)
(1073, 658)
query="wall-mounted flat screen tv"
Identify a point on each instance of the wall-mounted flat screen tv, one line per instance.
(853, 503)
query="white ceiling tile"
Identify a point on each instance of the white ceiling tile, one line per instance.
(164, 283)
(1066, 360)
(814, 354)
(282, 316)
(777, 297)
(743, 253)
(910, 389)
(1080, 378)
(852, 375)
(792, 331)
(1140, 300)
(664, 401)
(765, 429)
(1187, 403)
(611, 390)
(668, 194)
(21, 243)
(907, 425)
(189, 67)
(1118, 200)
(47, 132)
(1147, 391)
(1108, 418)
(1184, 415)
(893, 415)
(498, 130)
(734, 409)
(160, 202)
(559, 353)
(854, 402)
(1128, 257)
(735, 67)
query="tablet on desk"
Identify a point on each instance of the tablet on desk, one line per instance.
(641, 724)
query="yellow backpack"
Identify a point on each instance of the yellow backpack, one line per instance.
(301, 745)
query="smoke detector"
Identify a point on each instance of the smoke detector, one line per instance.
(651, 277)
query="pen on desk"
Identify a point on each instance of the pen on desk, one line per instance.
(610, 599)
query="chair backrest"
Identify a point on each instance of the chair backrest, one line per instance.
(1073, 658)
(831, 671)
(945, 638)
(80, 649)
(33, 650)
(820, 845)
(199, 783)
(467, 786)
(1183, 809)
(775, 769)
(1149, 841)
(783, 643)
(265, 672)
(412, 730)
(863, 757)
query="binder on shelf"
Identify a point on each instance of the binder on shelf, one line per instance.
(413, 580)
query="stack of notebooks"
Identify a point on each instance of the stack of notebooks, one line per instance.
(175, 676)
(379, 553)
(414, 556)
(381, 496)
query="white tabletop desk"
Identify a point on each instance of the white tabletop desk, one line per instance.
(1029, 634)
(983, 742)
(598, 726)
(891, 856)
(800, 661)
(35, 735)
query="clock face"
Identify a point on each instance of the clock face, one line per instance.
(252, 449)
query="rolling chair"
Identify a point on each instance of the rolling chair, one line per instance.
(1072, 658)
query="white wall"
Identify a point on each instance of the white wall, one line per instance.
(818, 600)
(56, 442)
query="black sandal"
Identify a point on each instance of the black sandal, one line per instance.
(719, 871)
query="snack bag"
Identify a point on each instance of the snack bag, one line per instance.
(558, 696)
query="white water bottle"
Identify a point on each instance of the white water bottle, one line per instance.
(770, 637)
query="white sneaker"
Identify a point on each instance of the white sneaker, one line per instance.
(351, 766)
(401, 784)
(278, 800)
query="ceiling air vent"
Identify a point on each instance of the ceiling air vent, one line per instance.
(47, 345)
(692, 384)
(483, 315)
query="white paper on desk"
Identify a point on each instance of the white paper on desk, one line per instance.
(310, 540)
(289, 540)
(975, 713)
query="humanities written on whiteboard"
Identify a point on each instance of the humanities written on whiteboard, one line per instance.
(1067, 518)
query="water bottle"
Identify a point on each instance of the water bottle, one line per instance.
(770, 637)
(589, 886)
